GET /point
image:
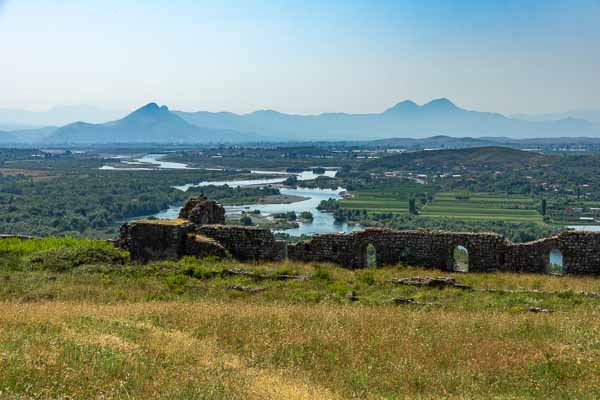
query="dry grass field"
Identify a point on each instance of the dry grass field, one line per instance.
(188, 330)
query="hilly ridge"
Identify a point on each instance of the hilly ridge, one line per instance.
(436, 119)
(488, 158)
(405, 119)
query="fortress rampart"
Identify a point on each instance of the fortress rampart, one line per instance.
(172, 239)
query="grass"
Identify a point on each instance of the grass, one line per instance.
(483, 206)
(175, 330)
(22, 247)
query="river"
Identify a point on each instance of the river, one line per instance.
(322, 222)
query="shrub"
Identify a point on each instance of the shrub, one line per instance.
(321, 274)
(175, 281)
(307, 215)
(366, 277)
(246, 220)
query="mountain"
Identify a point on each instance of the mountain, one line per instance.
(587, 115)
(33, 136)
(8, 138)
(56, 116)
(438, 117)
(488, 158)
(441, 122)
(149, 124)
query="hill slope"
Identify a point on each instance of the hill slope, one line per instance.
(489, 158)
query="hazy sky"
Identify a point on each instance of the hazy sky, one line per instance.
(300, 56)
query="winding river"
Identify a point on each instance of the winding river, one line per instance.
(322, 222)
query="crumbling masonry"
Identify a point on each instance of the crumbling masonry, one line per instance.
(206, 235)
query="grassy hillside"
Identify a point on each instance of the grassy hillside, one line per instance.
(95, 326)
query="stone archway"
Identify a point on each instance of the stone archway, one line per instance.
(371, 256)
(460, 259)
(555, 264)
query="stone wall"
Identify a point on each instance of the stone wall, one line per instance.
(433, 249)
(197, 233)
(155, 239)
(246, 243)
(149, 240)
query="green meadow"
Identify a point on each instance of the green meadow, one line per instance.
(483, 206)
(392, 199)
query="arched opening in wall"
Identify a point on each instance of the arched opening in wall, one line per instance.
(371, 256)
(460, 259)
(555, 262)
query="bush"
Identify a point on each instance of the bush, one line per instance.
(366, 277)
(321, 274)
(306, 215)
(246, 221)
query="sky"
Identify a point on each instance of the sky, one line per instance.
(303, 57)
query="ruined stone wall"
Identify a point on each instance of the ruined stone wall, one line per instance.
(202, 211)
(581, 252)
(246, 243)
(172, 239)
(331, 247)
(426, 248)
(532, 257)
(154, 240)
(434, 249)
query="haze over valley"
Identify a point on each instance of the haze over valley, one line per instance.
(157, 124)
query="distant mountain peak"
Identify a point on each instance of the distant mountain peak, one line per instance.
(151, 108)
(441, 104)
(406, 105)
(150, 111)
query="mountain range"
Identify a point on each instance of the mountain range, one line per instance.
(156, 124)
(405, 119)
(588, 115)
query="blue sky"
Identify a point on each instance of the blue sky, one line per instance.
(300, 56)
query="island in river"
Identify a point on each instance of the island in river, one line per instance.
(281, 199)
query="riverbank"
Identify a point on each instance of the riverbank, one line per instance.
(298, 199)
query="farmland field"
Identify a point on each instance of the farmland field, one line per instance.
(483, 206)
(392, 199)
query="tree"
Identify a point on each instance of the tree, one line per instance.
(412, 206)
(246, 220)
(291, 181)
(543, 207)
(306, 215)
